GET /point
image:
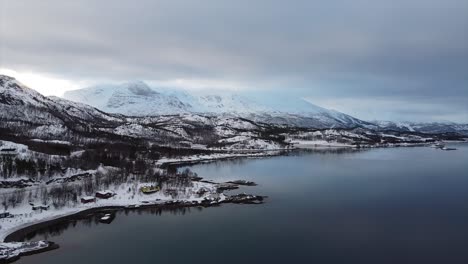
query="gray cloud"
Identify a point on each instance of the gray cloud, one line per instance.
(407, 51)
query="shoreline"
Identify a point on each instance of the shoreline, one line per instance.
(7, 236)
(213, 158)
(15, 234)
(20, 233)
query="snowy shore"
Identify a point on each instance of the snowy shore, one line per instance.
(24, 218)
(218, 156)
(12, 251)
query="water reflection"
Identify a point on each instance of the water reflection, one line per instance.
(297, 152)
(91, 221)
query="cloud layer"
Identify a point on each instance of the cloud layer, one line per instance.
(401, 52)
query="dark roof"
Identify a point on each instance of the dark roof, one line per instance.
(8, 149)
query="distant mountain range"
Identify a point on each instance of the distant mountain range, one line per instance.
(56, 124)
(428, 127)
(136, 110)
(138, 99)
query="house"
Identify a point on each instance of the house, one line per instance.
(40, 207)
(105, 194)
(149, 189)
(88, 199)
(5, 215)
(8, 152)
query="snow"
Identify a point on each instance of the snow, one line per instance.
(234, 139)
(433, 127)
(21, 149)
(52, 141)
(130, 130)
(77, 153)
(11, 250)
(319, 144)
(138, 99)
(131, 98)
(10, 87)
(24, 216)
(105, 192)
(215, 156)
(50, 130)
(196, 118)
(198, 146)
(254, 144)
(106, 217)
(236, 123)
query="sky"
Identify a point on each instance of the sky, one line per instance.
(377, 60)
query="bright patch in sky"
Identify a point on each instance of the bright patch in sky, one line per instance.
(49, 85)
(44, 84)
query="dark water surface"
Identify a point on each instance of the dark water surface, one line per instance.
(401, 205)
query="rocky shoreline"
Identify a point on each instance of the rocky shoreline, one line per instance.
(12, 251)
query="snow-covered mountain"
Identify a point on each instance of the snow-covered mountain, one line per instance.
(50, 117)
(27, 116)
(430, 128)
(138, 99)
(132, 98)
(20, 103)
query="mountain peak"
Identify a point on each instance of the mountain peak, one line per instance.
(13, 92)
(6, 81)
(139, 88)
(6, 77)
(10, 84)
(138, 99)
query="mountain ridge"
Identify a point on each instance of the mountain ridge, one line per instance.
(13, 92)
(121, 99)
(28, 117)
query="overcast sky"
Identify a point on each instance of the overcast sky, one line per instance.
(393, 60)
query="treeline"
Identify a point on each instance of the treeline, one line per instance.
(129, 158)
(69, 194)
(11, 166)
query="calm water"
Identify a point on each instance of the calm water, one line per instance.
(403, 205)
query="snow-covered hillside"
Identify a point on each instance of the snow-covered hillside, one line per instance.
(137, 98)
(28, 115)
(132, 98)
(430, 128)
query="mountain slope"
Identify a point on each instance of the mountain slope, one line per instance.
(140, 100)
(27, 115)
(16, 100)
(28, 118)
(429, 128)
(132, 98)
